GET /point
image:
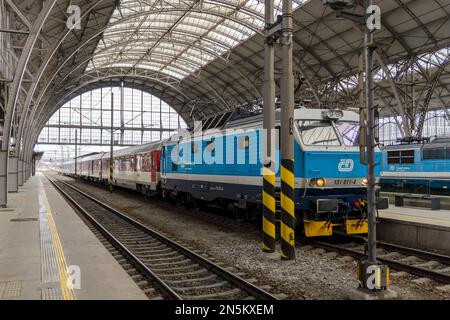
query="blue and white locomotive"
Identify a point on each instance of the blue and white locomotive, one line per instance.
(420, 168)
(223, 167)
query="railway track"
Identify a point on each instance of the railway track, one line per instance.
(416, 262)
(178, 272)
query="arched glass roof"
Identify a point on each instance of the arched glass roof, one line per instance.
(175, 37)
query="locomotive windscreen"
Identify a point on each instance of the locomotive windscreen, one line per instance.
(318, 133)
(349, 132)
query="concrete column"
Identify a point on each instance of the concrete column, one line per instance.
(20, 173)
(27, 171)
(13, 164)
(25, 177)
(3, 178)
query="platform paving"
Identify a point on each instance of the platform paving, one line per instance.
(414, 227)
(43, 245)
(420, 215)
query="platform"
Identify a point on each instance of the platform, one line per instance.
(419, 228)
(48, 253)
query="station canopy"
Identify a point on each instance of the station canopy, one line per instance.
(206, 57)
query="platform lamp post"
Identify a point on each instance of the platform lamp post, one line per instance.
(371, 274)
(111, 149)
(76, 152)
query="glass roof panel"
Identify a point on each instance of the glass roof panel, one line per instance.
(177, 37)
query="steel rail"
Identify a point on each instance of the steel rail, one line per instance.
(239, 282)
(444, 259)
(418, 271)
(121, 247)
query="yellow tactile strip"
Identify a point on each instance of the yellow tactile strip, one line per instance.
(53, 262)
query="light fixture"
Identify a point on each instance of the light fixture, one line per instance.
(364, 182)
(317, 182)
(333, 114)
(339, 4)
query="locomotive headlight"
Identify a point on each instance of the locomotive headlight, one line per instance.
(320, 182)
(364, 182)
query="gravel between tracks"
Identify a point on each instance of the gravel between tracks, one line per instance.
(314, 274)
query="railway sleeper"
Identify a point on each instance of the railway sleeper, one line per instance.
(165, 259)
(186, 274)
(130, 237)
(148, 256)
(153, 251)
(169, 264)
(191, 266)
(139, 248)
(217, 295)
(206, 278)
(145, 243)
(203, 287)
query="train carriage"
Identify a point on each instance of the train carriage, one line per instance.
(136, 167)
(330, 183)
(90, 166)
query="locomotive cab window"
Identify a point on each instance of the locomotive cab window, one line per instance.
(318, 133)
(400, 157)
(349, 132)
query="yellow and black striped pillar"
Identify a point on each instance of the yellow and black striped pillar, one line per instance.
(287, 210)
(269, 207)
(111, 178)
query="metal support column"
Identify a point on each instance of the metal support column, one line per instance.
(269, 202)
(76, 152)
(362, 111)
(287, 138)
(370, 148)
(3, 178)
(122, 113)
(12, 174)
(111, 149)
(371, 274)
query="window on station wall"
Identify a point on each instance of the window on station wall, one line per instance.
(437, 123)
(144, 118)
